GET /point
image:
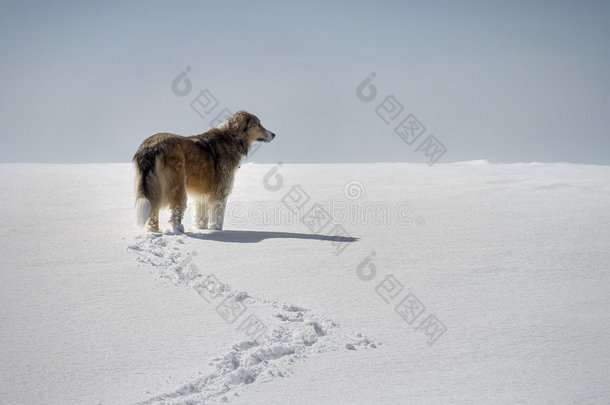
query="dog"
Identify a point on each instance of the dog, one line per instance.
(171, 167)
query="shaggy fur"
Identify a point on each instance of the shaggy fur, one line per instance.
(169, 167)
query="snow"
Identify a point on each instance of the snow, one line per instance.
(512, 261)
(276, 334)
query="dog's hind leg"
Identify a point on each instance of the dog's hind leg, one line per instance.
(176, 191)
(177, 206)
(153, 220)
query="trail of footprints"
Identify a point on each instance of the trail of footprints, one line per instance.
(294, 333)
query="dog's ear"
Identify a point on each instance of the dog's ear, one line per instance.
(240, 121)
(252, 121)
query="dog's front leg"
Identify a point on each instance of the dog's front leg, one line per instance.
(201, 214)
(217, 214)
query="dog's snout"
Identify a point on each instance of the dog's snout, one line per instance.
(270, 134)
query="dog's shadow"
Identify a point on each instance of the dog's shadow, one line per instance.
(257, 236)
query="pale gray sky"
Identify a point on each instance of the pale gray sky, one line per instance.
(508, 81)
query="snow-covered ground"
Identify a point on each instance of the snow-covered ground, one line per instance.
(457, 283)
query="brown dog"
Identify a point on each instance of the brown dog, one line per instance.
(168, 167)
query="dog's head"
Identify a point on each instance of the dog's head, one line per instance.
(243, 122)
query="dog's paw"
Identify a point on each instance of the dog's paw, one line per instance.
(215, 227)
(178, 228)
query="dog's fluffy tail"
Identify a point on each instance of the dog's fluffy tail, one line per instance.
(145, 186)
(143, 207)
